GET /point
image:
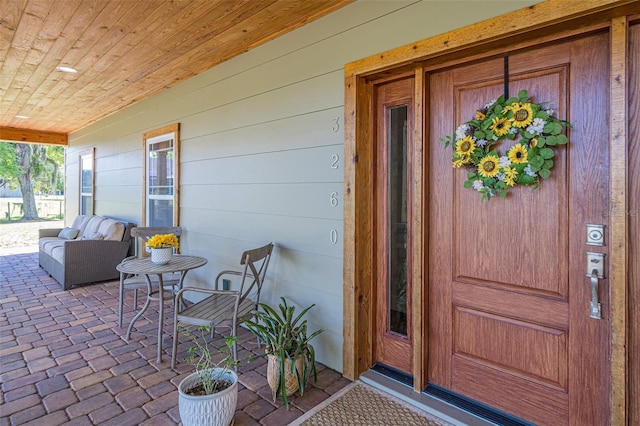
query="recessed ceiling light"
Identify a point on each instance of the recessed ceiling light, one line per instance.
(67, 69)
(21, 116)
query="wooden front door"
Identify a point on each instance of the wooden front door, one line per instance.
(508, 310)
(394, 111)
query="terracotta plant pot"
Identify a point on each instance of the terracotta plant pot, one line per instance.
(273, 371)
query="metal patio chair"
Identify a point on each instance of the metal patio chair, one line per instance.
(141, 234)
(225, 308)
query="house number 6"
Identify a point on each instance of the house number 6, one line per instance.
(334, 199)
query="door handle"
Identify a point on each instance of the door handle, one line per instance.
(595, 271)
(595, 308)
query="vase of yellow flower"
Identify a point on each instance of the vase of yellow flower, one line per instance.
(162, 246)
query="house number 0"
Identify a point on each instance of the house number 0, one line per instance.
(333, 236)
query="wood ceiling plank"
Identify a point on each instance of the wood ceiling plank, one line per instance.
(252, 27)
(252, 32)
(160, 46)
(125, 50)
(51, 84)
(216, 17)
(38, 64)
(117, 20)
(20, 44)
(10, 13)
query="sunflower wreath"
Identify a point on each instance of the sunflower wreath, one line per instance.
(532, 126)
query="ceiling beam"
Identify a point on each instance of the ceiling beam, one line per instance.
(13, 134)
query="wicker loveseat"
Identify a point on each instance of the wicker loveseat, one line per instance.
(86, 252)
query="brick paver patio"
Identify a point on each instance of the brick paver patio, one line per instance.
(64, 360)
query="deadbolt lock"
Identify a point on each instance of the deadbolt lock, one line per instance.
(595, 235)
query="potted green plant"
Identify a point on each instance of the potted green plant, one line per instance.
(290, 356)
(209, 395)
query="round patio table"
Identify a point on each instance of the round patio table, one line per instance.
(178, 263)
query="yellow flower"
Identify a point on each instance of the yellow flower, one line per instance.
(480, 115)
(510, 172)
(163, 241)
(465, 146)
(461, 161)
(518, 154)
(509, 181)
(533, 143)
(522, 114)
(500, 126)
(489, 166)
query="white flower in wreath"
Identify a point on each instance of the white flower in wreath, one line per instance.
(537, 126)
(481, 143)
(528, 171)
(461, 131)
(504, 161)
(478, 185)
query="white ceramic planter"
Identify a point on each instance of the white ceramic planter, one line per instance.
(160, 256)
(209, 410)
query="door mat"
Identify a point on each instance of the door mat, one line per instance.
(360, 404)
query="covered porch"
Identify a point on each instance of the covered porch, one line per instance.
(64, 360)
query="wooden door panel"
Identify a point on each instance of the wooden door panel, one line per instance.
(547, 363)
(511, 249)
(508, 294)
(552, 312)
(546, 405)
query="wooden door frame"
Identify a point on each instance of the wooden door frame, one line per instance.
(547, 21)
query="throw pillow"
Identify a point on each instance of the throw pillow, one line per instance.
(93, 236)
(69, 233)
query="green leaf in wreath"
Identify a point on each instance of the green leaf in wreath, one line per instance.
(561, 139)
(545, 173)
(546, 153)
(556, 128)
(548, 164)
(541, 142)
(523, 95)
(526, 180)
(552, 141)
(543, 115)
(471, 176)
(468, 184)
(478, 134)
(537, 161)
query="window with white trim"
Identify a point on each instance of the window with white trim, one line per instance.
(161, 177)
(85, 161)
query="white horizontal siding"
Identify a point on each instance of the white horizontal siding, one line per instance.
(258, 138)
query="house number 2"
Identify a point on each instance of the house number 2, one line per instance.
(334, 161)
